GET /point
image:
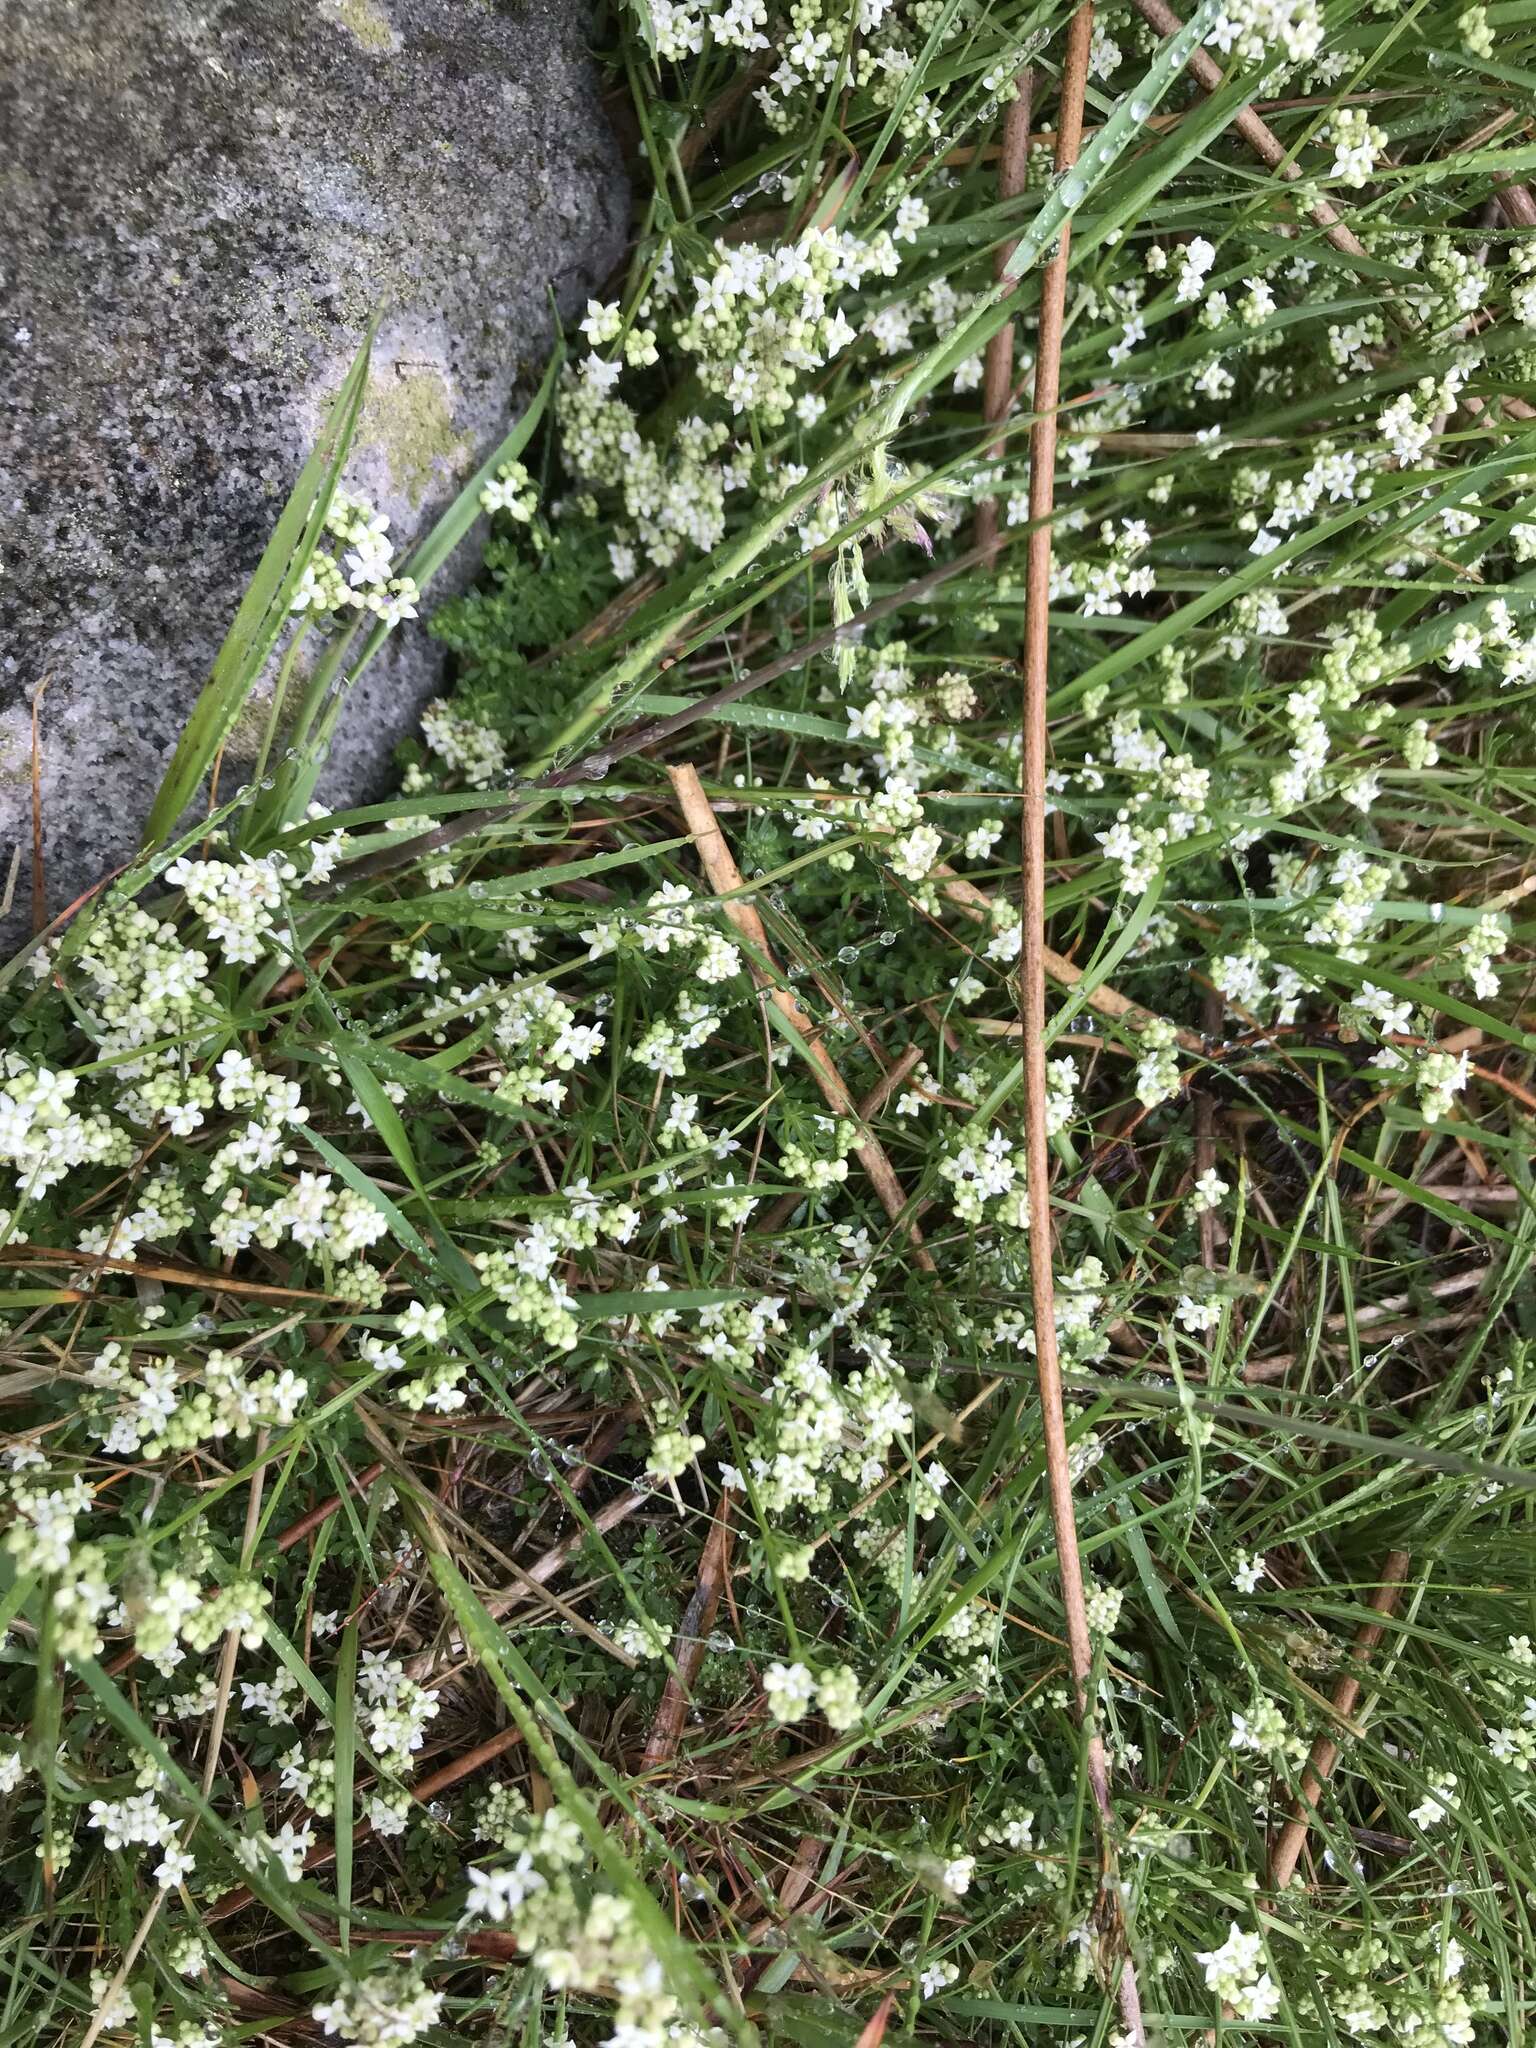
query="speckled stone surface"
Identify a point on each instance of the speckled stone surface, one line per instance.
(202, 205)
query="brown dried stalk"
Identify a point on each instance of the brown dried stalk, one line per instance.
(997, 380)
(1064, 972)
(689, 1644)
(1032, 972)
(1325, 1750)
(451, 1773)
(307, 1524)
(870, 1105)
(725, 879)
(173, 1276)
(1259, 136)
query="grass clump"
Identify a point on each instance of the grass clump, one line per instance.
(527, 1487)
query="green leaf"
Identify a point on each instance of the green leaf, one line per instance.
(294, 781)
(345, 1730)
(239, 663)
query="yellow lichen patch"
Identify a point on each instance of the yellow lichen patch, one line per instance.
(408, 417)
(367, 24)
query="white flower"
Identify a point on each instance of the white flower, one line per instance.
(1247, 1572)
(424, 1320)
(1436, 1803)
(789, 1690)
(173, 1866)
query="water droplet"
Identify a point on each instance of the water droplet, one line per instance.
(1140, 109)
(1073, 190)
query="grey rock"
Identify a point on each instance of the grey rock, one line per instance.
(202, 205)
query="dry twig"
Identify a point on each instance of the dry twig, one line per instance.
(689, 1644)
(1325, 1750)
(725, 879)
(1064, 972)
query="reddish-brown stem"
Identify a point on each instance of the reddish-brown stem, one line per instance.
(690, 1642)
(1325, 1750)
(306, 1525)
(997, 380)
(1032, 973)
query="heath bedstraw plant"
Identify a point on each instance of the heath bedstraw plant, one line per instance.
(524, 1511)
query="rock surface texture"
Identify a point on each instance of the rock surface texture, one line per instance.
(203, 205)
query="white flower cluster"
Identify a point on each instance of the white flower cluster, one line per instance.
(881, 58)
(1263, 1731)
(365, 580)
(671, 921)
(511, 490)
(791, 1689)
(390, 2008)
(539, 1033)
(41, 1538)
(1102, 587)
(1261, 32)
(986, 1176)
(575, 1937)
(827, 1165)
(465, 748)
(525, 1276)
(1168, 801)
(762, 318)
(42, 1140)
(1484, 943)
(1430, 2005)
(398, 1712)
(674, 499)
(237, 901)
(147, 1410)
(1357, 146)
(1157, 1070)
(815, 1428)
(681, 26)
(1236, 1973)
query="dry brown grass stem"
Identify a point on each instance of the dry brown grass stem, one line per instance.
(1107, 1001)
(724, 878)
(997, 380)
(1032, 977)
(1325, 1750)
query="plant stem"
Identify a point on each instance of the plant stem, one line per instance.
(279, 692)
(1037, 1155)
(997, 386)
